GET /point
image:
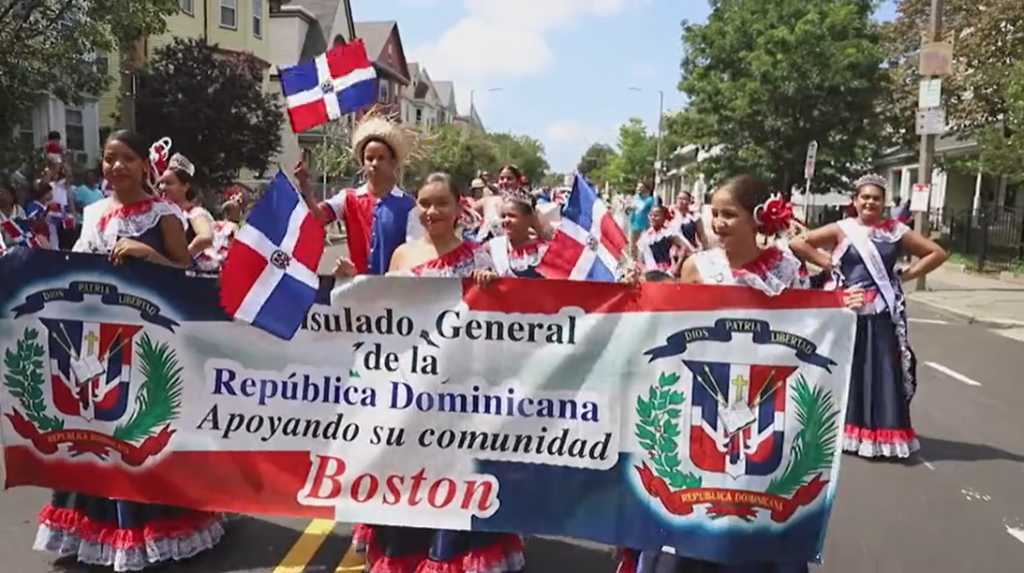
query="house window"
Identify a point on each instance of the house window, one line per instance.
(229, 14)
(75, 129)
(26, 135)
(383, 92)
(419, 116)
(100, 62)
(257, 18)
(188, 7)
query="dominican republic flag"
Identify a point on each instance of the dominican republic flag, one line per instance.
(19, 234)
(58, 217)
(334, 84)
(588, 245)
(269, 278)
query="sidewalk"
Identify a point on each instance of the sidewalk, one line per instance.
(992, 302)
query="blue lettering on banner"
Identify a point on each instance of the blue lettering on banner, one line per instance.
(294, 387)
(475, 401)
(76, 291)
(722, 330)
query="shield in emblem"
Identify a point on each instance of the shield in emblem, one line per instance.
(738, 417)
(91, 367)
(280, 259)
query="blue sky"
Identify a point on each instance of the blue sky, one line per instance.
(564, 67)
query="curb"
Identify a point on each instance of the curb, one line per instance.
(995, 323)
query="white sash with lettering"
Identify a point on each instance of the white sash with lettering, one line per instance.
(498, 247)
(859, 238)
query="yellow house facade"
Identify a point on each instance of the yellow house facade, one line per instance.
(232, 25)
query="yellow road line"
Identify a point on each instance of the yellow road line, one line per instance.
(302, 552)
(352, 562)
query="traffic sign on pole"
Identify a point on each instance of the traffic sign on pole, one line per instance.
(812, 158)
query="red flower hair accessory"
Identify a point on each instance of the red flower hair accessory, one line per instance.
(159, 159)
(774, 215)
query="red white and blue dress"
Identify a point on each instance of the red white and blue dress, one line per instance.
(519, 262)
(658, 246)
(124, 535)
(884, 376)
(374, 227)
(772, 272)
(391, 549)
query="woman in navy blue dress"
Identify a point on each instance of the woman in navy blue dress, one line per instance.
(688, 223)
(126, 535)
(861, 253)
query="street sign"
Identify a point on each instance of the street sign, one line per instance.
(812, 158)
(936, 59)
(919, 197)
(930, 93)
(931, 121)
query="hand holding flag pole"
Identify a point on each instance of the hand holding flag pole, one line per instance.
(269, 279)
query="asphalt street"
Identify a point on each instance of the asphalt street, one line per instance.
(957, 508)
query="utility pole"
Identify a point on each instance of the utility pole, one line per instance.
(926, 161)
(657, 153)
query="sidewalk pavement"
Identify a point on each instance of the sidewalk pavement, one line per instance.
(992, 302)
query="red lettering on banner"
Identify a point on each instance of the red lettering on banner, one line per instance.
(321, 466)
(371, 491)
(449, 493)
(328, 483)
(730, 502)
(90, 442)
(484, 504)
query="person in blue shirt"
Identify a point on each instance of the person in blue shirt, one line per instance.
(87, 194)
(643, 201)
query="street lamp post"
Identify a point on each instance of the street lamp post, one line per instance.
(661, 122)
(472, 92)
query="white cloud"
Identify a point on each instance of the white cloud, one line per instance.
(566, 140)
(504, 39)
(541, 15)
(567, 131)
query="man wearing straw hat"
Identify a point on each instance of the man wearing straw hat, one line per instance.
(378, 215)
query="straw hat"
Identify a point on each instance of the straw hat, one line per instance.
(377, 125)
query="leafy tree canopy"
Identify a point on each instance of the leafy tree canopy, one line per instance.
(462, 152)
(635, 159)
(595, 162)
(50, 46)
(766, 78)
(984, 95)
(212, 107)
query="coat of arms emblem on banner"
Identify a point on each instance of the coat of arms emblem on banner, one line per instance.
(729, 427)
(73, 379)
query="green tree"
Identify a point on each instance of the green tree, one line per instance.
(462, 153)
(523, 151)
(1002, 146)
(50, 46)
(982, 96)
(334, 155)
(212, 108)
(453, 150)
(595, 162)
(635, 160)
(765, 78)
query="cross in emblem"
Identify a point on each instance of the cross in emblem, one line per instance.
(91, 339)
(740, 384)
(327, 87)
